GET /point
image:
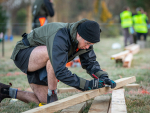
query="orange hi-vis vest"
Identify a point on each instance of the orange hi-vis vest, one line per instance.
(42, 20)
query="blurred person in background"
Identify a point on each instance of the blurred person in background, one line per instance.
(126, 24)
(140, 22)
(43, 53)
(41, 9)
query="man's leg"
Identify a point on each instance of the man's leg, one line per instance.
(27, 97)
(38, 59)
(7, 92)
(131, 38)
(40, 91)
(125, 36)
(38, 95)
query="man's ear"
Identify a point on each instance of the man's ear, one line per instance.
(78, 34)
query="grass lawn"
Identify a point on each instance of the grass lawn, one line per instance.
(140, 67)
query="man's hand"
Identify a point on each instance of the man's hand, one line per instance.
(95, 84)
(110, 82)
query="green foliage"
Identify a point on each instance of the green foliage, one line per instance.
(21, 16)
(139, 3)
(101, 11)
(3, 20)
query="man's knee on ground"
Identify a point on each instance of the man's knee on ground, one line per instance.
(40, 91)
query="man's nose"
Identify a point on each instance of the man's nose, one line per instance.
(87, 46)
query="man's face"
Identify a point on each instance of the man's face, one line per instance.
(83, 44)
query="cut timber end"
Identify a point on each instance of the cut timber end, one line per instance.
(118, 104)
(120, 55)
(78, 98)
(127, 61)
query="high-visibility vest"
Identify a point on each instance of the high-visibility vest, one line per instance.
(126, 19)
(140, 25)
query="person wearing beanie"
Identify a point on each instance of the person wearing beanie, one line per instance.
(43, 53)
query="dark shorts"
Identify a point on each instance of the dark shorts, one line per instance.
(22, 60)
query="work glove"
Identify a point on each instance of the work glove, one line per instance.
(108, 81)
(95, 84)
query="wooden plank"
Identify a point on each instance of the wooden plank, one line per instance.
(100, 104)
(118, 104)
(120, 55)
(127, 61)
(78, 98)
(78, 108)
(134, 49)
(129, 46)
(66, 90)
(132, 86)
(72, 89)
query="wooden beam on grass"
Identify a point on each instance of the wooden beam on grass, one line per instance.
(118, 104)
(100, 104)
(129, 46)
(134, 49)
(127, 61)
(78, 108)
(81, 97)
(120, 55)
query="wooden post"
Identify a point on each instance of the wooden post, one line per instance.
(29, 19)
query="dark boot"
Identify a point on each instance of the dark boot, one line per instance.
(53, 97)
(4, 91)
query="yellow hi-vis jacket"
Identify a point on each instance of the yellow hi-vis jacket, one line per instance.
(140, 25)
(126, 19)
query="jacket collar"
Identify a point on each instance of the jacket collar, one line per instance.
(73, 30)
